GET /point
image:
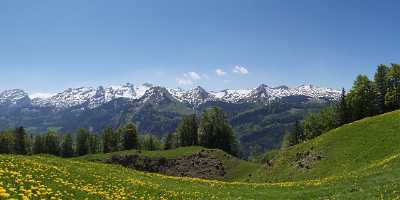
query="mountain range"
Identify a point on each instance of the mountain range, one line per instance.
(259, 116)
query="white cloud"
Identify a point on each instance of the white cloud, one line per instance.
(220, 72)
(190, 77)
(184, 81)
(240, 70)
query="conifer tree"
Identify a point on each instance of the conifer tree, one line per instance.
(82, 142)
(67, 149)
(343, 109)
(7, 139)
(215, 131)
(362, 98)
(188, 131)
(392, 97)
(20, 140)
(38, 144)
(108, 144)
(51, 142)
(94, 143)
(130, 137)
(171, 141)
(380, 79)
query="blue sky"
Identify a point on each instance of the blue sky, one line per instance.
(46, 45)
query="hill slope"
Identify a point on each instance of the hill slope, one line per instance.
(353, 147)
(357, 161)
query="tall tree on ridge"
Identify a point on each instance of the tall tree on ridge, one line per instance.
(67, 149)
(82, 142)
(380, 79)
(130, 137)
(188, 131)
(20, 140)
(392, 98)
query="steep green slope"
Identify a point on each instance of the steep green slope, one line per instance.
(353, 147)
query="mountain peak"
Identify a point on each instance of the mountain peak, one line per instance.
(14, 96)
(94, 97)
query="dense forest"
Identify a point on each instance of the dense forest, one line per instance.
(211, 131)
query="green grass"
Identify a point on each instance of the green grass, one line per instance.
(349, 148)
(174, 153)
(236, 169)
(361, 161)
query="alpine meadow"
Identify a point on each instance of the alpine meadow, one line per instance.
(176, 100)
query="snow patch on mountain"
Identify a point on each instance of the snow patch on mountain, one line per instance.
(93, 97)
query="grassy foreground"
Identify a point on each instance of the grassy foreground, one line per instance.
(360, 161)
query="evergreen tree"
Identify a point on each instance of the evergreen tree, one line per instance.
(67, 149)
(82, 142)
(7, 142)
(108, 140)
(215, 131)
(130, 137)
(20, 140)
(298, 134)
(362, 98)
(316, 124)
(51, 143)
(171, 141)
(150, 142)
(343, 110)
(94, 143)
(39, 145)
(380, 79)
(392, 97)
(188, 131)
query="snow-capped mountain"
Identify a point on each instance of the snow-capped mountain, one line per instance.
(14, 97)
(93, 97)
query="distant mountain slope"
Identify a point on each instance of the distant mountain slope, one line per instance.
(259, 116)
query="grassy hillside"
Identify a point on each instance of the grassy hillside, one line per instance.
(351, 148)
(357, 161)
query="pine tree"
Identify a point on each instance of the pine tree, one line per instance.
(380, 79)
(362, 98)
(392, 98)
(171, 141)
(7, 139)
(94, 143)
(67, 149)
(188, 131)
(343, 110)
(130, 137)
(38, 144)
(108, 144)
(51, 143)
(298, 133)
(82, 142)
(20, 140)
(215, 131)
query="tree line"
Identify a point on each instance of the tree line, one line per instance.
(212, 131)
(83, 142)
(366, 98)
